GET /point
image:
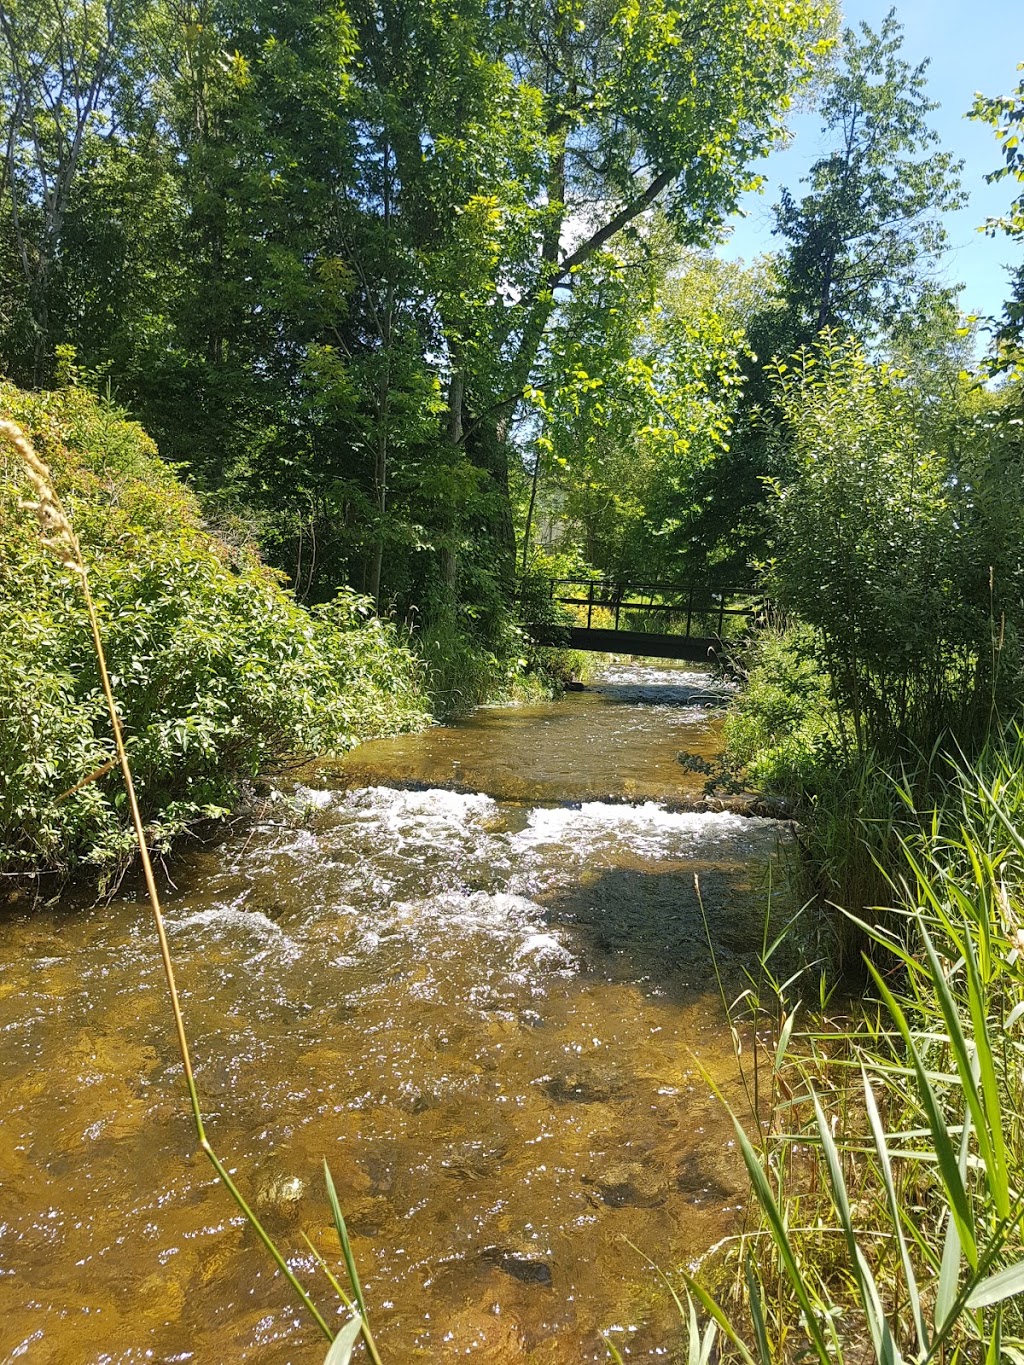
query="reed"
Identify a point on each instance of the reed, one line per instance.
(58, 535)
(889, 1178)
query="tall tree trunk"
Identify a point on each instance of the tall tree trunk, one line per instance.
(529, 511)
(449, 558)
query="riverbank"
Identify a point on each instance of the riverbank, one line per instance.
(888, 1178)
(887, 1172)
(219, 672)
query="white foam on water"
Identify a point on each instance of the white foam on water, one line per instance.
(647, 676)
(490, 916)
(648, 829)
(497, 914)
(317, 798)
(218, 923)
(419, 816)
(546, 949)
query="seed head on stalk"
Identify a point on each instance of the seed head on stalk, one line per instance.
(57, 534)
(55, 530)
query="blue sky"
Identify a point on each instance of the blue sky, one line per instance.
(972, 46)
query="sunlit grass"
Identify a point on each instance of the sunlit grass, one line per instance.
(888, 1172)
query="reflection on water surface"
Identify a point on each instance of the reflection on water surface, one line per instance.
(490, 1012)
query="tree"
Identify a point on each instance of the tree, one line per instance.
(58, 82)
(637, 393)
(1006, 115)
(863, 243)
(524, 137)
(322, 250)
(897, 536)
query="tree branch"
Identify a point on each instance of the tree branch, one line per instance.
(615, 224)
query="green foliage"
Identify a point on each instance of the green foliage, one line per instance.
(1005, 114)
(462, 673)
(782, 729)
(218, 671)
(888, 1178)
(862, 241)
(896, 535)
(635, 404)
(892, 537)
(859, 256)
(315, 247)
(552, 668)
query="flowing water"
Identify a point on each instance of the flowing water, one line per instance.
(467, 967)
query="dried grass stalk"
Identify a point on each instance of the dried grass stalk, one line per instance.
(57, 534)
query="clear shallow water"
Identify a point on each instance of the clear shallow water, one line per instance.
(617, 740)
(490, 1012)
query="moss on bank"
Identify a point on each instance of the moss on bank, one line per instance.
(219, 671)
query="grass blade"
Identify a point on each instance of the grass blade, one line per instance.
(998, 1174)
(965, 1065)
(343, 1344)
(998, 1287)
(724, 1325)
(780, 1235)
(881, 1333)
(346, 1247)
(756, 1310)
(882, 1148)
(946, 1296)
(949, 1167)
(612, 1351)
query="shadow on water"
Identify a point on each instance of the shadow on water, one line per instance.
(656, 930)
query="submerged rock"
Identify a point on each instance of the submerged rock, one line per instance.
(635, 1183)
(473, 1160)
(487, 1337)
(589, 1085)
(526, 1265)
(280, 1192)
(707, 1178)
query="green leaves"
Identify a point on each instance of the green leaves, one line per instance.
(998, 1288)
(861, 242)
(877, 544)
(1005, 114)
(344, 1343)
(219, 672)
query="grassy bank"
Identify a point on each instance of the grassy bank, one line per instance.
(888, 1167)
(220, 673)
(887, 1156)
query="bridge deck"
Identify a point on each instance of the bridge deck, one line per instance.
(699, 612)
(695, 648)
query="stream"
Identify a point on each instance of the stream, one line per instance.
(471, 969)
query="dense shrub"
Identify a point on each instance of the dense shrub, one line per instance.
(898, 536)
(217, 669)
(535, 607)
(782, 726)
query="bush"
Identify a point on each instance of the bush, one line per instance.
(217, 669)
(786, 736)
(782, 726)
(897, 536)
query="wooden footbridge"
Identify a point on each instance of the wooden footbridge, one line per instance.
(660, 620)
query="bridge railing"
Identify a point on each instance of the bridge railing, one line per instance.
(655, 607)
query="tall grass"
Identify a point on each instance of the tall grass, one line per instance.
(58, 535)
(888, 1173)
